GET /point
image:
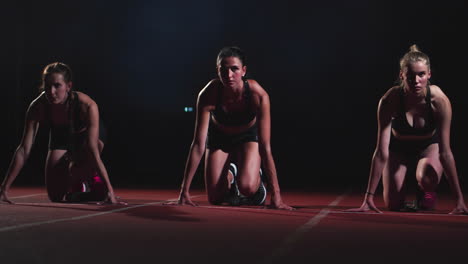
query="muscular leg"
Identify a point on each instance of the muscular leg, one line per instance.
(216, 169)
(393, 179)
(82, 170)
(56, 174)
(428, 174)
(82, 165)
(429, 170)
(248, 163)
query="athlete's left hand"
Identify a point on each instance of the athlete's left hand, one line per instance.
(277, 203)
(460, 209)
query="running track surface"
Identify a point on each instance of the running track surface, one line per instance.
(35, 230)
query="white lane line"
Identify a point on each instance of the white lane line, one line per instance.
(30, 195)
(397, 213)
(62, 205)
(227, 207)
(300, 211)
(288, 243)
(15, 227)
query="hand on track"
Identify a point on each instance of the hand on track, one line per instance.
(4, 197)
(460, 209)
(278, 204)
(112, 199)
(366, 206)
(184, 199)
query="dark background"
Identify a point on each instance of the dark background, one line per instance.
(325, 65)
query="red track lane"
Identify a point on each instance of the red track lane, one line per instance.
(37, 231)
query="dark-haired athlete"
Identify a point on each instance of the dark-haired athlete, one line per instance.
(233, 127)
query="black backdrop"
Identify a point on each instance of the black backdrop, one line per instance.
(325, 65)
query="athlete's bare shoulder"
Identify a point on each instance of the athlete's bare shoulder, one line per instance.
(391, 94)
(39, 100)
(256, 88)
(209, 93)
(390, 100)
(210, 87)
(84, 98)
(259, 94)
(437, 93)
(438, 98)
(37, 106)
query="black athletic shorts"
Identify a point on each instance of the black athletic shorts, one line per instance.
(59, 136)
(227, 142)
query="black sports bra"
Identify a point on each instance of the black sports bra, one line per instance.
(402, 127)
(234, 118)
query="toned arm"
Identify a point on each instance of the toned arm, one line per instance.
(443, 111)
(24, 149)
(92, 114)
(197, 148)
(264, 136)
(385, 111)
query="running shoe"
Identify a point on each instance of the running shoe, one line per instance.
(233, 197)
(427, 200)
(258, 198)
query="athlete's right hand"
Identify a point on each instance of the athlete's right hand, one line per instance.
(184, 199)
(367, 205)
(111, 199)
(4, 196)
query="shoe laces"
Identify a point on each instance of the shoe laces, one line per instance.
(429, 196)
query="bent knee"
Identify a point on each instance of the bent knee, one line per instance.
(248, 188)
(428, 177)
